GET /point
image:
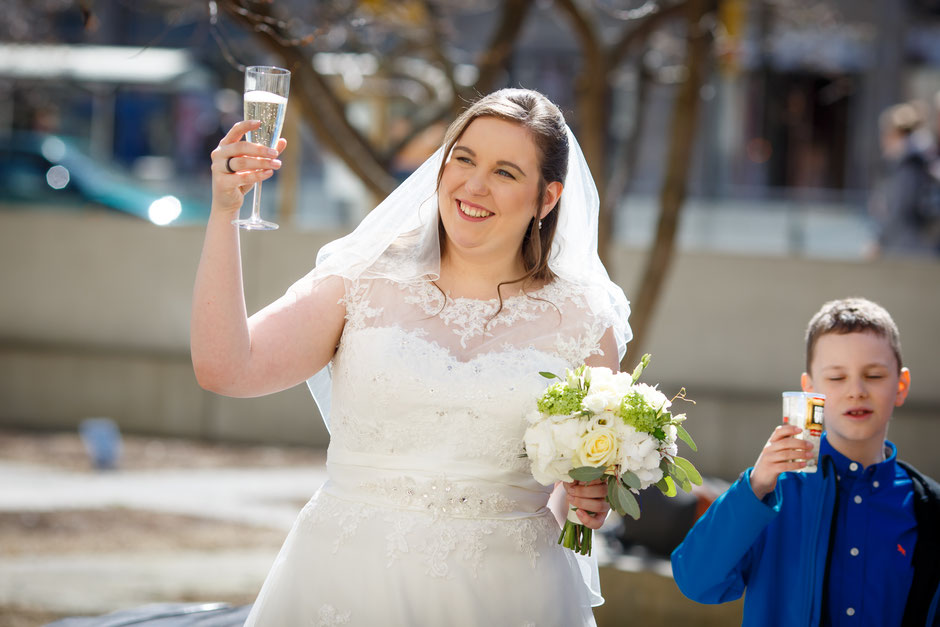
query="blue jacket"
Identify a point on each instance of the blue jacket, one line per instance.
(779, 553)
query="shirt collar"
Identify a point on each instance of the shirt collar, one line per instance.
(882, 472)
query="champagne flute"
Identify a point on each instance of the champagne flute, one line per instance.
(266, 90)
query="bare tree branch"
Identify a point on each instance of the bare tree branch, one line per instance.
(593, 91)
(684, 124)
(500, 47)
(642, 29)
(322, 109)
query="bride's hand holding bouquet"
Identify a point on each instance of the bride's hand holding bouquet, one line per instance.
(599, 426)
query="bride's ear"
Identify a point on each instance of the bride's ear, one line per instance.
(552, 194)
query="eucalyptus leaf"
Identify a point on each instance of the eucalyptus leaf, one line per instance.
(549, 375)
(685, 437)
(631, 480)
(613, 497)
(630, 506)
(586, 473)
(670, 486)
(691, 472)
(681, 478)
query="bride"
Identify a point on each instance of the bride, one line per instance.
(422, 335)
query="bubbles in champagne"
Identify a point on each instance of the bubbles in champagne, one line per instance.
(269, 108)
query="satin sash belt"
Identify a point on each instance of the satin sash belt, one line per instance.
(451, 489)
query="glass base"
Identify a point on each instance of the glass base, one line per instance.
(255, 225)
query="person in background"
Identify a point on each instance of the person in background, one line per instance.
(903, 204)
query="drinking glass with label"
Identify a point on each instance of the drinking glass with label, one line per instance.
(266, 90)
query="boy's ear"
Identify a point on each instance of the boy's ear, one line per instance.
(806, 383)
(904, 386)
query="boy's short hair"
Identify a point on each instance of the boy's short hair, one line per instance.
(852, 315)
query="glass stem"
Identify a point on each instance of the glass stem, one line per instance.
(256, 203)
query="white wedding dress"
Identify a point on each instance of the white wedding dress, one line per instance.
(430, 515)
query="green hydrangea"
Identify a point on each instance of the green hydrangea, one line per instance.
(560, 400)
(636, 412)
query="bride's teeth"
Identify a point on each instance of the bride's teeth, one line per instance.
(473, 213)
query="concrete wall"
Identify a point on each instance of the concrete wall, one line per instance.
(94, 314)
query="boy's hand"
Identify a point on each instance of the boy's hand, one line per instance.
(782, 452)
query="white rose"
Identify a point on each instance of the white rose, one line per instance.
(598, 448)
(600, 401)
(602, 379)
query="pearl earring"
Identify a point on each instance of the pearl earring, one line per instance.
(540, 225)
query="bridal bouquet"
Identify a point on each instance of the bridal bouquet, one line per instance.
(597, 424)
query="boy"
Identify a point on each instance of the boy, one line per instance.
(855, 543)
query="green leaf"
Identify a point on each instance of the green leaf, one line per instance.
(622, 500)
(549, 375)
(681, 478)
(586, 473)
(659, 434)
(690, 470)
(685, 437)
(631, 480)
(667, 486)
(630, 506)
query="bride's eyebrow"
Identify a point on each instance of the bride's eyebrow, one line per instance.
(503, 162)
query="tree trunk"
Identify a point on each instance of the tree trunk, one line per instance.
(678, 161)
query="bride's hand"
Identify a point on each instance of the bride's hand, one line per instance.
(237, 165)
(591, 501)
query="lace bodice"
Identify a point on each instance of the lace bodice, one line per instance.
(443, 382)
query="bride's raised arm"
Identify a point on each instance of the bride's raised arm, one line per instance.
(284, 343)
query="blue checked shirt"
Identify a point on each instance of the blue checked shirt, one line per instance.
(870, 571)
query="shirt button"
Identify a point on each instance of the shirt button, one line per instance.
(853, 466)
(875, 484)
(857, 499)
(854, 551)
(850, 611)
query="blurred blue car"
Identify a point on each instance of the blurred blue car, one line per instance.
(38, 168)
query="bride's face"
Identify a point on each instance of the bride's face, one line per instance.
(489, 187)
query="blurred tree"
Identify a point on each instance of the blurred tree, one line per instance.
(399, 54)
(609, 37)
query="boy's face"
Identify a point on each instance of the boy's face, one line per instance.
(858, 373)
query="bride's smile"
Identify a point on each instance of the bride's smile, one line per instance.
(490, 187)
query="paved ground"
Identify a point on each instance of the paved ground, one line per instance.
(78, 541)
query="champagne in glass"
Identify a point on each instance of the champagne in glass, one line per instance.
(266, 90)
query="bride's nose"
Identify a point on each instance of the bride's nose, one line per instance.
(476, 184)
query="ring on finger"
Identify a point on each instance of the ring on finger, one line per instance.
(228, 166)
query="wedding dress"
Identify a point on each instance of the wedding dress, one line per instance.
(430, 515)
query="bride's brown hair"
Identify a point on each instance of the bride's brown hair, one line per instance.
(546, 125)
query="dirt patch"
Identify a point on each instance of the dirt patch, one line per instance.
(124, 530)
(24, 617)
(65, 450)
